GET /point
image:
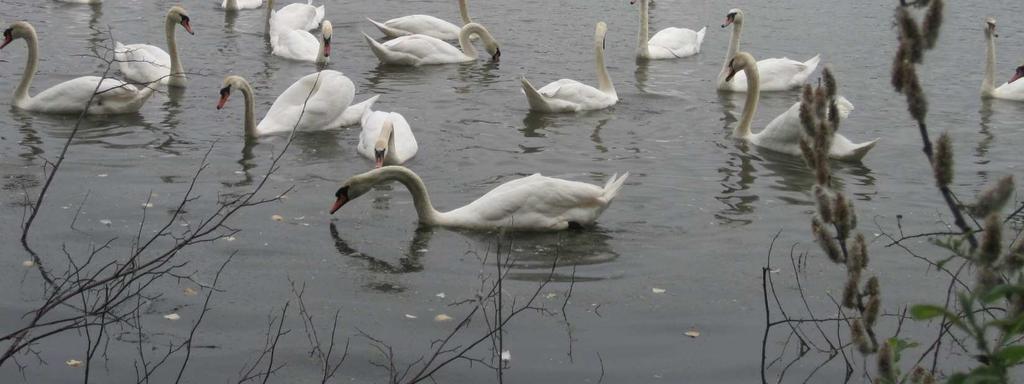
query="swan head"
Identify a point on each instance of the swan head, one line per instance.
(990, 26)
(599, 33)
(225, 91)
(178, 15)
(354, 187)
(1019, 73)
(326, 31)
(739, 63)
(735, 16)
(17, 30)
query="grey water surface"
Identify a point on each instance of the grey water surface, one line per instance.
(695, 218)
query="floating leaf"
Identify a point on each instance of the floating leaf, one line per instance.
(106, 222)
(277, 218)
(442, 318)
(441, 295)
(692, 333)
(550, 296)
(102, 175)
(408, 316)
(73, 363)
(147, 205)
(189, 291)
(657, 290)
(172, 316)
(230, 238)
(28, 263)
(506, 355)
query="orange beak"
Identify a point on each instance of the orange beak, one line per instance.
(188, 26)
(223, 100)
(338, 203)
(7, 40)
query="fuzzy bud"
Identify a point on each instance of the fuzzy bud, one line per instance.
(988, 278)
(885, 367)
(871, 288)
(820, 103)
(853, 215)
(860, 252)
(807, 117)
(826, 241)
(932, 22)
(943, 164)
(850, 291)
(991, 241)
(808, 152)
(824, 203)
(830, 82)
(898, 61)
(1015, 259)
(910, 33)
(871, 311)
(857, 334)
(994, 198)
(841, 216)
(917, 104)
(833, 116)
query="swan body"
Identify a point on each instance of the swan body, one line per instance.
(567, 95)
(386, 138)
(416, 50)
(113, 96)
(301, 45)
(668, 43)
(238, 5)
(532, 203)
(327, 106)
(1011, 90)
(423, 25)
(295, 16)
(777, 74)
(144, 63)
(783, 133)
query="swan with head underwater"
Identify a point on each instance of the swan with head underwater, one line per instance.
(776, 74)
(532, 203)
(416, 50)
(783, 133)
(144, 63)
(1011, 90)
(386, 138)
(112, 96)
(423, 25)
(668, 43)
(329, 94)
(301, 45)
(290, 17)
(567, 95)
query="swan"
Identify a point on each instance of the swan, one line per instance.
(386, 138)
(423, 25)
(783, 133)
(327, 107)
(535, 202)
(776, 74)
(144, 63)
(291, 17)
(301, 45)
(112, 96)
(416, 50)
(1011, 90)
(237, 5)
(668, 43)
(567, 95)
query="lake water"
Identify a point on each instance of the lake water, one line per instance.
(695, 218)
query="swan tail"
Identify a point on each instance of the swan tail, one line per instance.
(354, 113)
(845, 107)
(809, 66)
(859, 151)
(378, 49)
(700, 37)
(536, 100)
(386, 30)
(612, 187)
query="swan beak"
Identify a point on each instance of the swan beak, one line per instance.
(732, 72)
(7, 40)
(188, 26)
(223, 100)
(327, 47)
(497, 55)
(728, 21)
(338, 203)
(378, 156)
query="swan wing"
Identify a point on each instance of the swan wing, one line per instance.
(676, 42)
(429, 50)
(297, 45)
(371, 126)
(536, 202)
(1010, 91)
(580, 96)
(327, 101)
(779, 74)
(354, 113)
(405, 142)
(297, 16)
(243, 4)
(424, 25)
(113, 96)
(143, 63)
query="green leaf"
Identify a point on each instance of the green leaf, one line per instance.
(899, 345)
(926, 311)
(1011, 355)
(1001, 291)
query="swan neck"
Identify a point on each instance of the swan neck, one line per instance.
(270, 10)
(385, 139)
(644, 35)
(21, 93)
(177, 74)
(250, 106)
(734, 44)
(464, 12)
(604, 81)
(321, 56)
(231, 5)
(467, 46)
(424, 209)
(988, 84)
(753, 94)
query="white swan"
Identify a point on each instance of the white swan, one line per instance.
(72, 96)
(301, 45)
(423, 25)
(776, 74)
(386, 138)
(568, 95)
(535, 203)
(416, 50)
(668, 43)
(237, 5)
(293, 16)
(1011, 90)
(783, 133)
(144, 63)
(327, 107)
